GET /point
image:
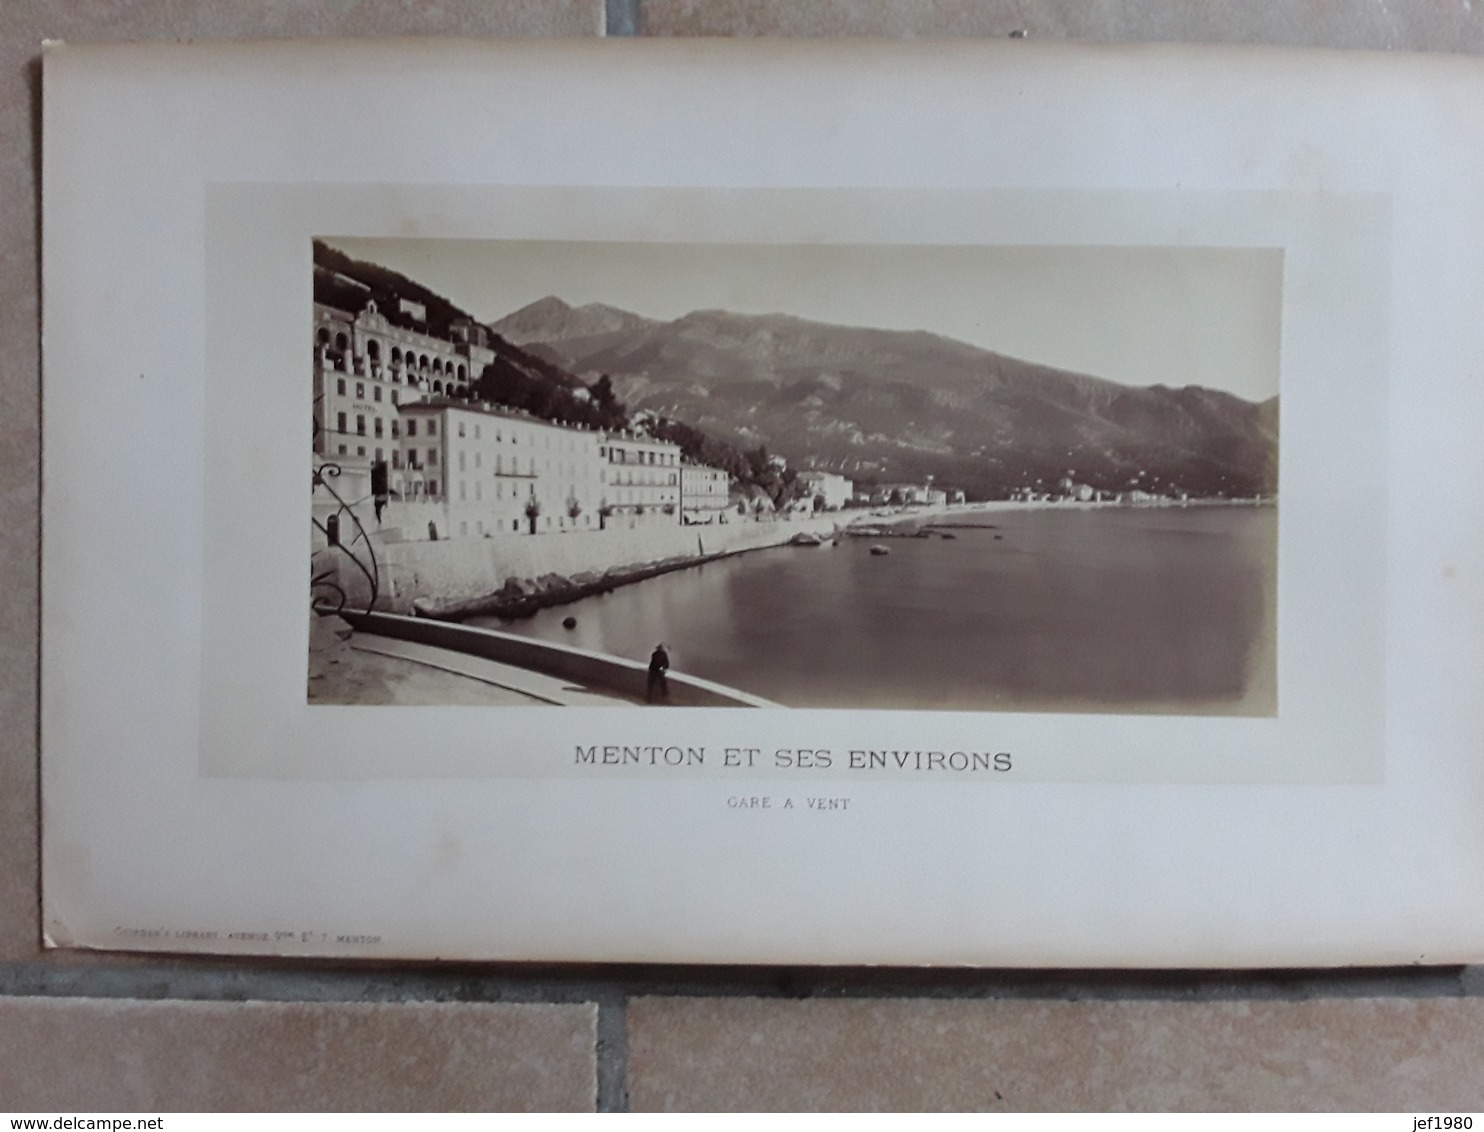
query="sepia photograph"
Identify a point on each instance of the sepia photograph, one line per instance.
(863, 476)
(674, 426)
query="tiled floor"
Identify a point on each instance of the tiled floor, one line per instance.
(1337, 1054)
(1418, 25)
(114, 1055)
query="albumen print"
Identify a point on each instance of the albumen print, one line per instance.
(833, 476)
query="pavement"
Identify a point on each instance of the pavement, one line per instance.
(348, 667)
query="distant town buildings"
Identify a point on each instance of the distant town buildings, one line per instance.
(905, 494)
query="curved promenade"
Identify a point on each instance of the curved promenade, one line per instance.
(593, 669)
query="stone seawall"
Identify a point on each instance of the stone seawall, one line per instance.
(518, 574)
(594, 670)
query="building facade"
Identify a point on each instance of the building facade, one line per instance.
(365, 369)
(644, 476)
(499, 472)
(835, 490)
(704, 494)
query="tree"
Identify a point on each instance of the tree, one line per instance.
(757, 462)
(611, 411)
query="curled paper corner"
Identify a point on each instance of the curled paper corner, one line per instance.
(55, 934)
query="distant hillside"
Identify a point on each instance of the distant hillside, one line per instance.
(898, 405)
(590, 324)
(347, 284)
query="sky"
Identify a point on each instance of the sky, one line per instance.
(1136, 315)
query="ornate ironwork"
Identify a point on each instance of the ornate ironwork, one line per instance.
(325, 582)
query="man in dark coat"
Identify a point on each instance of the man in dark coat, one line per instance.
(659, 664)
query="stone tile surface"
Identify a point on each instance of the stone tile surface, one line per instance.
(23, 25)
(1420, 25)
(1020, 1055)
(59, 1055)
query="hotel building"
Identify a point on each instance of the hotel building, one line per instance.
(365, 369)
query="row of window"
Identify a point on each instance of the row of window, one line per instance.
(516, 490)
(621, 456)
(412, 465)
(361, 390)
(411, 359)
(429, 489)
(376, 392)
(342, 425)
(569, 444)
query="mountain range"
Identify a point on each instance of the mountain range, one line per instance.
(890, 405)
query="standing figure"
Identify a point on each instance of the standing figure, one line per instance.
(659, 664)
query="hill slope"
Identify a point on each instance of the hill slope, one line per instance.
(886, 404)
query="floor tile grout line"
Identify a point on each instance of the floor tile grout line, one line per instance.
(613, 1055)
(623, 18)
(163, 980)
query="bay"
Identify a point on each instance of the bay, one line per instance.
(1105, 609)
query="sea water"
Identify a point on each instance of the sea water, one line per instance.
(1109, 609)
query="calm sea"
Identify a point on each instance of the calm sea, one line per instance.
(1123, 610)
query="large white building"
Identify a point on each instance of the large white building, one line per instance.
(365, 369)
(494, 471)
(835, 490)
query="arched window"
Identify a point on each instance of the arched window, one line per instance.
(396, 354)
(463, 373)
(437, 387)
(423, 362)
(373, 350)
(437, 365)
(323, 337)
(341, 342)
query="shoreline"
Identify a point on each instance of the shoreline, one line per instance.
(518, 599)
